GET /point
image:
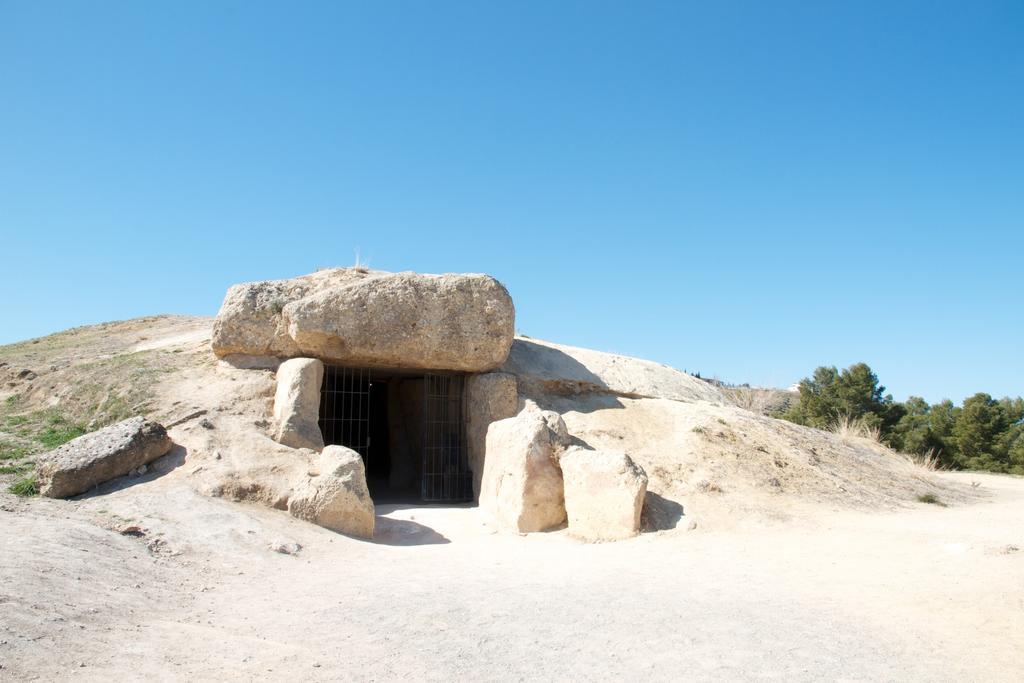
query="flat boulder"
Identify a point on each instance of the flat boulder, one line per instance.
(100, 456)
(356, 317)
(297, 403)
(334, 495)
(521, 487)
(604, 494)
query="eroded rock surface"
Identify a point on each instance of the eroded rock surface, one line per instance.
(521, 488)
(490, 397)
(351, 316)
(335, 495)
(297, 403)
(100, 456)
(604, 494)
(544, 367)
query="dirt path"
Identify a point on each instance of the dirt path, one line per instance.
(934, 593)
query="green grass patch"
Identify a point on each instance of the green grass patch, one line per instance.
(13, 451)
(58, 435)
(26, 486)
(930, 499)
(16, 469)
(12, 421)
(47, 429)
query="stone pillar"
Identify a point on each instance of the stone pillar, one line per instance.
(297, 403)
(489, 397)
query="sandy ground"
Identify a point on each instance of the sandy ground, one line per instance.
(810, 558)
(196, 592)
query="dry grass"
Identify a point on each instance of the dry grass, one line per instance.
(846, 428)
(757, 399)
(930, 461)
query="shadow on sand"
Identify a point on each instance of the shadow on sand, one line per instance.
(404, 532)
(660, 513)
(174, 459)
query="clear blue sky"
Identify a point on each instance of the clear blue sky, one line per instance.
(746, 189)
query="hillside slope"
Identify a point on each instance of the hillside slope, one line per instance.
(705, 459)
(810, 557)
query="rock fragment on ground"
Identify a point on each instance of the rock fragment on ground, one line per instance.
(285, 547)
(100, 456)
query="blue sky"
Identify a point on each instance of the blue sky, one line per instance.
(744, 189)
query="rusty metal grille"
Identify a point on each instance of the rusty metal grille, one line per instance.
(446, 476)
(345, 408)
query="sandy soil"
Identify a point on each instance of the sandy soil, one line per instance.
(928, 594)
(809, 557)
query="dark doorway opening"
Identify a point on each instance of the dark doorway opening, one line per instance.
(408, 427)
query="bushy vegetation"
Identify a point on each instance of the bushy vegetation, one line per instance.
(980, 434)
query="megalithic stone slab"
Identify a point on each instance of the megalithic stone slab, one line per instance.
(100, 456)
(354, 317)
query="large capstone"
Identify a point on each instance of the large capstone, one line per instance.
(100, 456)
(354, 317)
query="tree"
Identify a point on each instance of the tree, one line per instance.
(854, 393)
(979, 424)
(982, 434)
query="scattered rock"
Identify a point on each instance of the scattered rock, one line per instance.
(205, 423)
(297, 403)
(285, 547)
(707, 486)
(521, 488)
(94, 458)
(133, 530)
(27, 374)
(183, 420)
(604, 494)
(336, 496)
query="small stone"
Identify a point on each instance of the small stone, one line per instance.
(285, 547)
(205, 424)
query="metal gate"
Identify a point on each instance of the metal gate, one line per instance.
(345, 409)
(446, 476)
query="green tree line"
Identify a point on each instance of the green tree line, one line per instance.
(980, 434)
